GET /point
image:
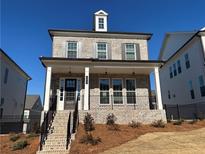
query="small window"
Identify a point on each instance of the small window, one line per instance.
(26, 114)
(191, 90)
(169, 95)
(175, 69)
(101, 23)
(202, 85)
(187, 62)
(170, 72)
(2, 101)
(72, 50)
(102, 50)
(1, 113)
(6, 75)
(104, 91)
(130, 51)
(117, 91)
(179, 66)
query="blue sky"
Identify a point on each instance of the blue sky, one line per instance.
(25, 24)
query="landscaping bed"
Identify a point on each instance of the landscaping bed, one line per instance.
(110, 138)
(19, 143)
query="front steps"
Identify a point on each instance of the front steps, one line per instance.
(57, 138)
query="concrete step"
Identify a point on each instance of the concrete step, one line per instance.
(53, 152)
(54, 143)
(54, 147)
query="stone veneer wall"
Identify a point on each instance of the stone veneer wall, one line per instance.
(125, 116)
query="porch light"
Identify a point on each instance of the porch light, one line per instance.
(105, 73)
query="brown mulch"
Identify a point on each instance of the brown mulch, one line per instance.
(6, 145)
(110, 139)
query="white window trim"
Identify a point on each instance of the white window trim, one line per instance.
(96, 46)
(118, 91)
(108, 91)
(134, 50)
(131, 91)
(77, 54)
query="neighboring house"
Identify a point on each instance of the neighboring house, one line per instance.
(183, 75)
(13, 92)
(32, 113)
(99, 72)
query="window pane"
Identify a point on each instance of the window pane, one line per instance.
(101, 23)
(104, 97)
(130, 51)
(117, 84)
(130, 47)
(104, 84)
(72, 49)
(117, 97)
(130, 85)
(179, 66)
(130, 56)
(6, 75)
(187, 62)
(102, 50)
(175, 69)
(131, 99)
(170, 72)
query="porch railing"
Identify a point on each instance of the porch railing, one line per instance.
(48, 119)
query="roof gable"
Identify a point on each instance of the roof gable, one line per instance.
(101, 12)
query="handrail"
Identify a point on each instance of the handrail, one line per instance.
(75, 116)
(47, 122)
(68, 131)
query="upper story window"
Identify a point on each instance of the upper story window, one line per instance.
(101, 23)
(169, 95)
(170, 72)
(130, 51)
(72, 50)
(191, 90)
(179, 66)
(175, 69)
(202, 85)
(26, 114)
(187, 62)
(102, 50)
(6, 75)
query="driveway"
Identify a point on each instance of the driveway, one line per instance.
(190, 142)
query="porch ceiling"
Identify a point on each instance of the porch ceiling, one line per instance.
(65, 65)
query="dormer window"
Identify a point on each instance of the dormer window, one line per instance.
(101, 23)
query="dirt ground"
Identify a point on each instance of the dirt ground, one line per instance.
(189, 142)
(112, 139)
(6, 145)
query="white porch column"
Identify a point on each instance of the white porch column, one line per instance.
(47, 88)
(158, 89)
(86, 91)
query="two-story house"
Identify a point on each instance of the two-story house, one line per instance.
(14, 81)
(102, 72)
(183, 74)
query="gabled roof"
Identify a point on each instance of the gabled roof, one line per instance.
(31, 100)
(101, 12)
(18, 68)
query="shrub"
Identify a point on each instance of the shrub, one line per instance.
(20, 145)
(14, 137)
(89, 139)
(134, 124)
(111, 118)
(88, 123)
(158, 124)
(32, 135)
(179, 122)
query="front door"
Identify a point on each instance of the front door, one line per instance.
(70, 94)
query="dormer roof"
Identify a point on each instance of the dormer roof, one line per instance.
(101, 12)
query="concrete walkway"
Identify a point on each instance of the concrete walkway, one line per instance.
(190, 142)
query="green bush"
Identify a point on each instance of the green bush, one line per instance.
(32, 135)
(14, 137)
(134, 124)
(158, 124)
(88, 123)
(89, 139)
(20, 145)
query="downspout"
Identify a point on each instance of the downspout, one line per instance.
(24, 104)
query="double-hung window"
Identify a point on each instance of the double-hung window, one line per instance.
(104, 91)
(179, 66)
(175, 69)
(130, 87)
(102, 50)
(169, 95)
(117, 91)
(191, 90)
(130, 51)
(101, 23)
(187, 62)
(72, 49)
(170, 72)
(202, 85)
(6, 75)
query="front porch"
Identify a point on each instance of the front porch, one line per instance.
(100, 85)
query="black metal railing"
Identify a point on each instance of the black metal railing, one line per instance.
(68, 131)
(47, 122)
(75, 116)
